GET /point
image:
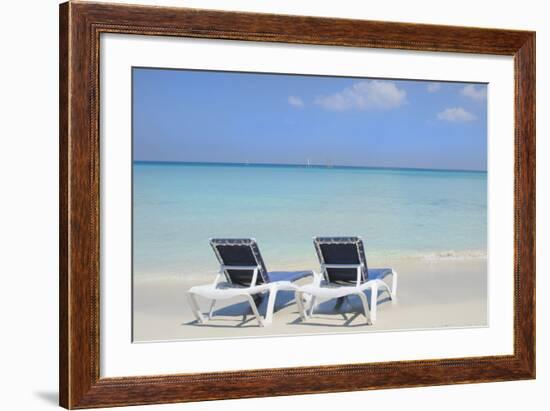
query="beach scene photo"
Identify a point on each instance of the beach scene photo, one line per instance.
(281, 204)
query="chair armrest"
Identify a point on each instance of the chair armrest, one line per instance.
(317, 278)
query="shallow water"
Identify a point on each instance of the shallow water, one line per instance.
(399, 213)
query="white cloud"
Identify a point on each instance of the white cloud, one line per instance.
(295, 101)
(456, 114)
(473, 92)
(433, 87)
(365, 95)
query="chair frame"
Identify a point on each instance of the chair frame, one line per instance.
(222, 290)
(319, 290)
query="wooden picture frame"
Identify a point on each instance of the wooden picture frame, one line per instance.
(80, 27)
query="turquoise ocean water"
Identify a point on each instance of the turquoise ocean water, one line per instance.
(399, 213)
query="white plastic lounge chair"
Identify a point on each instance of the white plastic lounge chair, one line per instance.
(245, 275)
(345, 273)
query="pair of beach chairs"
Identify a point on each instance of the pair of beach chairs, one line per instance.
(344, 272)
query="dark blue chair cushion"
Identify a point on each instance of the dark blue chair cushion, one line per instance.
(240, 252)
(342, 250)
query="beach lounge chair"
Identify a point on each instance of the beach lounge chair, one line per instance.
(243, 273)
(345, 273)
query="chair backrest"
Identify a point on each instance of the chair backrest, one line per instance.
(243, 252)
(341, 251)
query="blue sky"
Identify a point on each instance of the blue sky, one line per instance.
(202, 116)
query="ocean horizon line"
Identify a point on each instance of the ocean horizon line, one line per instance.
(295, 165)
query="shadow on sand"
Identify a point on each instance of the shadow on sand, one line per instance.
(243, 310)
(329, 313)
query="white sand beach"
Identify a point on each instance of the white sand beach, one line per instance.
(432, 293)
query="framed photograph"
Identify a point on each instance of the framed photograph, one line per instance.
(259, 205)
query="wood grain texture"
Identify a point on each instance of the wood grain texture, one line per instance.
(63, 204)
(525, 203)
(80, 27)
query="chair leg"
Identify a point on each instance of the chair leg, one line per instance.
(254, 309)
(366, 310)
(195, 308)
(386, 287)
(271, 305)
(211, 311)
(394, 285)
(298, 296)
(373, 302)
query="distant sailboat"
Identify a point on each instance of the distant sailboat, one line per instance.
(308, 162)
